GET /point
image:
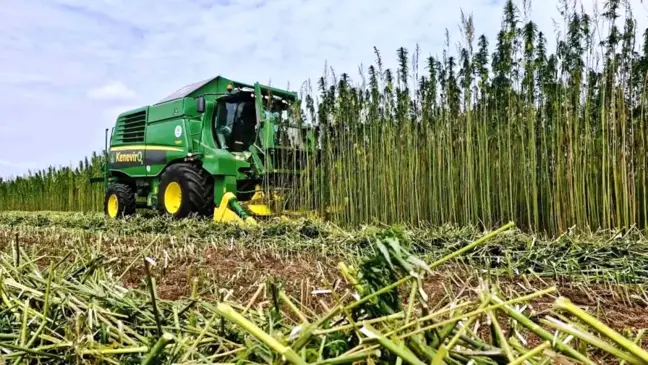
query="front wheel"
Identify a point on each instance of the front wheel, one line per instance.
(185, 190)
(119, 201)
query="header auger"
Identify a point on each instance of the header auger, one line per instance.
(206, 150)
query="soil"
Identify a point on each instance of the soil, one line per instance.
(307, 277)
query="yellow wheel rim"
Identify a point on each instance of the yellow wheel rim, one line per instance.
(113, 206)
(172, 197)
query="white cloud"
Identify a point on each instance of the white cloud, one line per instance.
(114, 90)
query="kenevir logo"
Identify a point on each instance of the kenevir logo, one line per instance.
(128, 157)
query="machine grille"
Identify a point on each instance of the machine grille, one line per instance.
(131, 128)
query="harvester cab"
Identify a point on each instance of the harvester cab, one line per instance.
(217, 147)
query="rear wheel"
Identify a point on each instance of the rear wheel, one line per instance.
(119, 201)
(185, 190)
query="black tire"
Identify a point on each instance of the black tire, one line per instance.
(207, 209)
(197, 191)
(126, 203)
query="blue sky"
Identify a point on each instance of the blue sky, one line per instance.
(68, 67)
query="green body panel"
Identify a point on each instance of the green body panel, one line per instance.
(222, 185)
(146, 140)
(162, 145)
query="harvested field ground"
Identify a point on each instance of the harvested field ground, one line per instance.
(304, 256)
(620, 306)
(603, 273)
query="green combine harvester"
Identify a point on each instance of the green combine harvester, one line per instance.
(210, 148)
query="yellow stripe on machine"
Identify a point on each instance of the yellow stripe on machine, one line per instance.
(148, 148)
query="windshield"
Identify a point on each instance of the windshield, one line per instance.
(235, 124)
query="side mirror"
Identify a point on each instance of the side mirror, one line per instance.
(200, 104)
